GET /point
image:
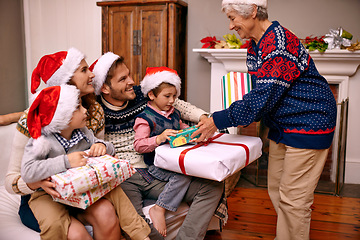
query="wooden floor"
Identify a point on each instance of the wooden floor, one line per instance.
(252, 216)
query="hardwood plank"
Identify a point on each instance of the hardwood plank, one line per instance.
(321, 235)
(334, 227)
(252, 216)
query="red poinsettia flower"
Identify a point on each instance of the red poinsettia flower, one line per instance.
(209, 42)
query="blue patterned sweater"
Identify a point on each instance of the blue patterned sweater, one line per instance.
(289, 94)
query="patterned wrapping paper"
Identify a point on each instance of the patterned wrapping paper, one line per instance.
(80, 187)
(86, 199)
(219, 158)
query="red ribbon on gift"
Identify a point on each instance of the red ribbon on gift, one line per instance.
(211, 140)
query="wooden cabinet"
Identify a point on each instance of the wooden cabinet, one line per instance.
(147, 34)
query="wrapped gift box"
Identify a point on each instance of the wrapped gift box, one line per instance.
(86, 199)
(182, 137)
(220, 157)
(82, 186)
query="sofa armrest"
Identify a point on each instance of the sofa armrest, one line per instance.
(6, 139)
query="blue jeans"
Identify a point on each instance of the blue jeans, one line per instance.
(26, 215)
(174, 190)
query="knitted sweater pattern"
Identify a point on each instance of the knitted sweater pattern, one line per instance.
(289, 94)
(119, 128)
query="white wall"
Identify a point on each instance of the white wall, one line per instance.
(57, 25)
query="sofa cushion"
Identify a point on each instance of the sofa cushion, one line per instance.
(11, 226)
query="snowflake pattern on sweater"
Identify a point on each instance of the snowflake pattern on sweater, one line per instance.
(289, 94)
(119, 128)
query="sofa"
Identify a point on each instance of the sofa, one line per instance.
(11, 227)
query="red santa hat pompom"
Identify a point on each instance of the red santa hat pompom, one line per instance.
(156, 75)
(56, 69)
(100, 68)
(52, 110)
(260, 3)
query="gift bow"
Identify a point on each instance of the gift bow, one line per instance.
(338, 37)
(211, 140)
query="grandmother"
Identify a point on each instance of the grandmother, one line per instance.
(294, 101)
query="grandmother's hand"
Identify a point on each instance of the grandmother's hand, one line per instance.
(207, 129)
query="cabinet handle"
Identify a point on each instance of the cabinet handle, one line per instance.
(137, 42)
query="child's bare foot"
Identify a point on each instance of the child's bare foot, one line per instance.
(157, 215)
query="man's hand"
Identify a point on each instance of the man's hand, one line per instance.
(207, 129)
(97, 150)
(77, 159)
(10, 118)
(165, 135)
(46, 185)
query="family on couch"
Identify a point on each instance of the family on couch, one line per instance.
(113, 112)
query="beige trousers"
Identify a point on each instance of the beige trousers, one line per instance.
(293, 175)
(54, 219)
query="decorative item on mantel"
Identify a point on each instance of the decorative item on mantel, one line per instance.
(338, 38)
(230, 42)
(315, 43)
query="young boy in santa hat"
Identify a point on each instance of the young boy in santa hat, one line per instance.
(153, 126)
(57, 125)
(54, 69)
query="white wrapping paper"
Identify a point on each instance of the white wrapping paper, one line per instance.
(216, 160)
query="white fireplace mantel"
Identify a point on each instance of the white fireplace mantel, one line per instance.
(332, 62)
(337, 66)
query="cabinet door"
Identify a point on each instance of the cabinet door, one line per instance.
(121, 32)
(139, 34)
(153, 26)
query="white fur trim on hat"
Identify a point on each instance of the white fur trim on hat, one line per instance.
(260, 3)
(67, 69)
(101, 69)
(67, 104)
(152, 81)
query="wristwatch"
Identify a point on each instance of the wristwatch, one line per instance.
(210, 115)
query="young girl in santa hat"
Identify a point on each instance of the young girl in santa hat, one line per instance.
(56, 122)
(64, 67)
(153, 126)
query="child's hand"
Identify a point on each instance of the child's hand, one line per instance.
(77, 159)
(165, 135)
(97, 149)
(46, 185)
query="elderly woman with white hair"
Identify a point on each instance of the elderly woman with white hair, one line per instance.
(294, 101)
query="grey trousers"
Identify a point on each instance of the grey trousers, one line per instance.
(203, 194)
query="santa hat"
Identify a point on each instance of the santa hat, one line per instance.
(56, 69)
(52, 110)
(260, 3)
(100, 68)
(156, 75)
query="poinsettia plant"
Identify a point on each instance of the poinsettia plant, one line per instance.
(231, 41)
(315, 43)
(209, 42)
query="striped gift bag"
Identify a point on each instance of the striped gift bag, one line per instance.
(234, 86)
